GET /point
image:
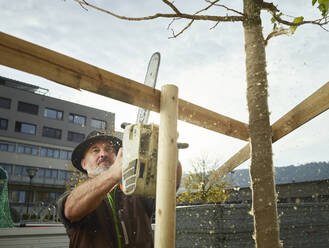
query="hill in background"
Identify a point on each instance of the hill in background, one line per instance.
(313, 171)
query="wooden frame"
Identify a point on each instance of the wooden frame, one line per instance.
(40, 61)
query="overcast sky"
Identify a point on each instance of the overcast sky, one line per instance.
(207, 65)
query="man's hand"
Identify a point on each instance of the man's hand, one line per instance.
(116, 169)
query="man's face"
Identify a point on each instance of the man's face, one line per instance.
(98, 158)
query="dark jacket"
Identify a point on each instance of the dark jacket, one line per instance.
(98, 229)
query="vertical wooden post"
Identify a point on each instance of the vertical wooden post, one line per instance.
(165, 218)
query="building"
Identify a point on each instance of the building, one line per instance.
(37, 136)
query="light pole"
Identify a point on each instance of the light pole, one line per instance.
(31, 172)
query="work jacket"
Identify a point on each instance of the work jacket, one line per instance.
(98, 229)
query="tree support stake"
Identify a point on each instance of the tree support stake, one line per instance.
(165, 219)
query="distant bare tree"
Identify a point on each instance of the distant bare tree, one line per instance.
(197, 186)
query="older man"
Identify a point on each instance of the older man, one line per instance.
(96, 213)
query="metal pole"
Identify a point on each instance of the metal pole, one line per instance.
(29, 197)
(165, 220)
(31, 172)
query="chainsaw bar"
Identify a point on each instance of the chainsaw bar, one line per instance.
(150, 80)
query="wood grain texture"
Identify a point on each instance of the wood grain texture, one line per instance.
(43, 62)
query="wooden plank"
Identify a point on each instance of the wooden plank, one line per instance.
(308, 109)
(70, 72)
(40, 61)
(208, 119)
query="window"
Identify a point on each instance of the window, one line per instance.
(28, 149)
(65, 155)
(28, 108)
(54, 174)
(49, 152)
(17, 196)
(20, 149)
(20, 170)
(5, 102)
(50, 173)
(41, 196)
(53, 114)
(3, 124)
(25, 128)
(77, 119)
(56, 153)
(52, 132)
(40, 173)
(69, 155)
(45, 196)
(7, 146)
(52, 196)
(99, 124)
(75, 137)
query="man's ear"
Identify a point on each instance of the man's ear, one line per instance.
(83, 164)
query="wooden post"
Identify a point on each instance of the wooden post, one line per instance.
(165, 219)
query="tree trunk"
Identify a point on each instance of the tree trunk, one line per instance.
(264, 206)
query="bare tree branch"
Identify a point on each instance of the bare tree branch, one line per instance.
(270, 7)
(160, 15)
(171, 5)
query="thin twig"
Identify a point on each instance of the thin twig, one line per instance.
(176, 35)
(206, 8)
(214, 26)
(198, 12)
(229, 9)
(172, 21)
(223, 6)
(83, 6)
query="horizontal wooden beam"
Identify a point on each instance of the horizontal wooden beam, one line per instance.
(40, 61)
(308, 109)
(208, 119)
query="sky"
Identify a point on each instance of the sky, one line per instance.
(206, 63)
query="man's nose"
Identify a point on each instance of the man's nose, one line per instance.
(103, 153)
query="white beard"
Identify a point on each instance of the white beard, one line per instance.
(96, 172)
